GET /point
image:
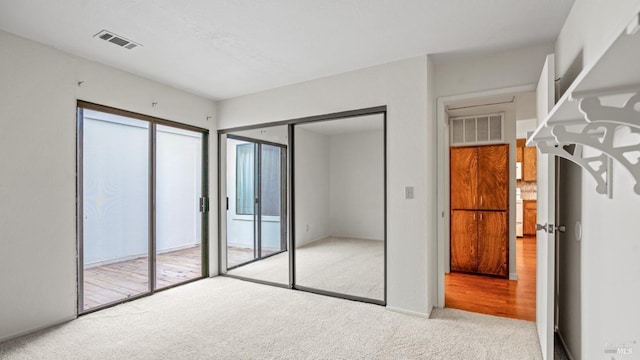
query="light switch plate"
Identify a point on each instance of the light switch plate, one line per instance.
(408, 192)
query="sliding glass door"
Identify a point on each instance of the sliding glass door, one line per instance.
(242, 239)
(115, 188)
(140, 223)
(255, 230)
(273, 237)
(178, 245)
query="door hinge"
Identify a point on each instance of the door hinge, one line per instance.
(204, 204)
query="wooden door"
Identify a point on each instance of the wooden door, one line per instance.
(492, 243)
(529, 164)
(520, 144)
(493, 177)
(464, 241)
(464, 179)
(529, 217)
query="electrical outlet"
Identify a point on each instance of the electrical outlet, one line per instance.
(408, 192)
(307, 227)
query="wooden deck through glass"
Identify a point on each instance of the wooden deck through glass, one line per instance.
(108, 283)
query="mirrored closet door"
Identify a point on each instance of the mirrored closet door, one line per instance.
(339, 205)
(254, 204)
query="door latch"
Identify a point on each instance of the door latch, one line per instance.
(550, 228)
(541, 227)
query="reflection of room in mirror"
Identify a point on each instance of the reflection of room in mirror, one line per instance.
(256, 225)
(339, 206)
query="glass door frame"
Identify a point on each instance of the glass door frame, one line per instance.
(203, 204)
(257, 213)
(223, 133)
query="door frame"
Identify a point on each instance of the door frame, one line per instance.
(444, 207)
(291, 197)
(204, 208)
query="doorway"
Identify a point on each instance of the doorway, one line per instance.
(141, 205)
(509, 293)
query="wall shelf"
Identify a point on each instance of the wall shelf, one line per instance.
(600, 111)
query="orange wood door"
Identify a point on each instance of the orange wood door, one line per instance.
(464, 241)
(492, 243)
(529, 209)
(529, 167)
(520, 144)
(493, 177)
(463, 177)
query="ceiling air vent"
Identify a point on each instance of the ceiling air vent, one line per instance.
(116, 39)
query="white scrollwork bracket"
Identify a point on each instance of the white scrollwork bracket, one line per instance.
(597, 166)
(601, 135)
(594, 111)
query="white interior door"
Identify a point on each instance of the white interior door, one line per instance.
(546, 213)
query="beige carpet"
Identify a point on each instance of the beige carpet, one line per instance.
(224, 318)
(342, 265)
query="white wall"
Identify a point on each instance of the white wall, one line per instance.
(526, 116)
(524, 127)
(432, 168)
(402, 86)
(116, 188)
(38, 92)
(610, 248)
(357, 185)
(312, 195)
(178, 189)
(492, 71)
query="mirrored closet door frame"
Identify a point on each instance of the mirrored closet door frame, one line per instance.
(222, 136)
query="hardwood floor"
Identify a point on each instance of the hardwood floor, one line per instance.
(112, 282)
(494, 296)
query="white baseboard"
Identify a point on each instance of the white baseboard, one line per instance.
(513, 276)
(37, 328)
(408, 312)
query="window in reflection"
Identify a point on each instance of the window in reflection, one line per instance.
(256, 216)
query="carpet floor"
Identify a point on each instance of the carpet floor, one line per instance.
(341, 265)
(224, 318)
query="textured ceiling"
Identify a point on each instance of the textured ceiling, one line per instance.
(221, 49)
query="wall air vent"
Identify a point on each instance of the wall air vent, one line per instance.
(116, 39)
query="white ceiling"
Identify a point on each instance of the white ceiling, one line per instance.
(221, 49)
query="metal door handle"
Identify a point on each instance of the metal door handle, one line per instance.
(550, 228)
